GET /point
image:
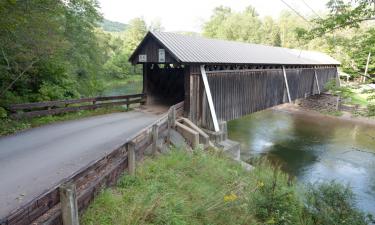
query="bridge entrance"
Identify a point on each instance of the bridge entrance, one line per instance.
(164, 84)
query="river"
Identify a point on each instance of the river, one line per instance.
(124, 89)
(312, 148)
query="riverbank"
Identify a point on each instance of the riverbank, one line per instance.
(205, 187)
(325, 112)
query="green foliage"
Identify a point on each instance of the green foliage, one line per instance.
(332, 203)
(247, 26)
(3, 113)
(207, 188)
(343, 14)
(49, 50)
(276, 201)
(342, 91)
(371, 110)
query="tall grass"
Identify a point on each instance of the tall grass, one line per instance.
(202, 188)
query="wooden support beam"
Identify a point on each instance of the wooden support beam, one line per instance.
(317, 81)
(171, 122)
(209, 98)
(189, 134)
(368, 61)
(131, 158)
(155, 137)
(338, 77)
(69, 208)
(287, 85)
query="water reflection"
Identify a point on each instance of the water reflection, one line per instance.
(312, 148)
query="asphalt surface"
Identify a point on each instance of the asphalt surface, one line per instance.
(37, 159)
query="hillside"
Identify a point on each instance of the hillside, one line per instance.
(113, 26)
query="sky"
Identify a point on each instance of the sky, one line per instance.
(189, 15)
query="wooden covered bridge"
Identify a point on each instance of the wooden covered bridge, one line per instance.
(224, 80)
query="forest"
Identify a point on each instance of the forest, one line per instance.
(66, 49)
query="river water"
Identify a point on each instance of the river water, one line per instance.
(125, 89)
(312, 148)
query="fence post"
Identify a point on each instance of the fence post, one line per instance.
(69, 208)
(131, 158)
(171, 122)
(155, 137)
(127, 105)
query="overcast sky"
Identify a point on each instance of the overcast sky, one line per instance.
(189, 15)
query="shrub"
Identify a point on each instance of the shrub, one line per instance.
(371, 110)
(3, 113)
(343, 92)
(275, 201)
(332, 203)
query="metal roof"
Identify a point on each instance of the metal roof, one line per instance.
(192, 49)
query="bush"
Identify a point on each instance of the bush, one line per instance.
(275, 201)
(332, 203)
(371, 110)
(3, 113)
(343, 92)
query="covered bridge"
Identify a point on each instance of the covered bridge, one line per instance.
(224, 80)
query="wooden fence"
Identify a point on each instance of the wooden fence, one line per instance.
(28, 110)
(91, 179)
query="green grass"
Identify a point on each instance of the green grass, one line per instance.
(359, 98)
(207, 188)
(10, 126)
(331, 113)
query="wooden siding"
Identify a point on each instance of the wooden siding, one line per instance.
(237, 93)
(151, 48)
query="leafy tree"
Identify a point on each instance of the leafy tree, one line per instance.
(342, 14)
(212, 26)
(271, 32)
(49, 49)
(135, 33)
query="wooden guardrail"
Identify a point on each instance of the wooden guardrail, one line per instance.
(28, 110)
(46, 209)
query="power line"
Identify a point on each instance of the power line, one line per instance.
(295, 11)
(312, 10)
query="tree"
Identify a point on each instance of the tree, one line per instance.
(135, 33)
(342, 14)
(270, 32)
(211, 27)
(49, 49)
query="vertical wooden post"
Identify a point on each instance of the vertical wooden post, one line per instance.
(127, 105)
(287, 85)
(224, 130)
(368, 61)
(171, 122)
(145, 72)
(338, 77)
(155, 137)
(69, 208)
(131, 158)
(317, 81)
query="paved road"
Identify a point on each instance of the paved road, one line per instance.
(35, 160)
